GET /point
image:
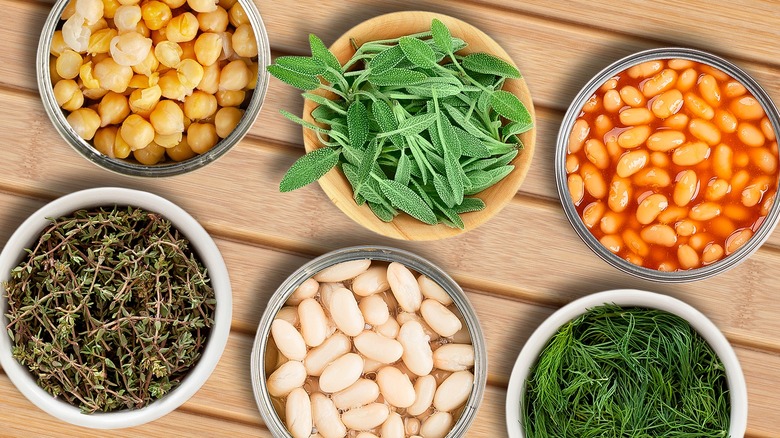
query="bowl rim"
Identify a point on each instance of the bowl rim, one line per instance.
(722, 265)
(529, 354)
(210, 256)
(334, 183)
(129, 168)
(384, 254)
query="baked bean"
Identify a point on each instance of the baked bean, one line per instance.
(672, 214)
(734, 89)
(576, 188)
(686, 228)
(736, 212)
(687, 80)
(678, 121)
(747, 108)
(612, 101)
(572, 164)
(667, 104)
(688, 257)
(634, 137)
(649, 209)
(635, 259)
(709, 89)
(619, 194)
(698, 106)
(750, 135)
(738, 239)
(705, 211)
(593, 213)
(700, 240)
(690, 154)
(680, 64)
(767, 205)
(597, 153)
(366, 417)
(609, 85)
(613, 149)
(722, 158)
(612, 242)
(635, 116)
(741, 159)
(603, 125)
(717, 189)
(667, 266)
(740, 181)
(660, 159)
(725, 121)
(712, 253)
(342, 271)
(721, 227)
(592, 105)
(645, 69)
(632, 96)
(685, 188)
(659, 234)
(767, 130)
(594, 182)
(659, 83)
(611, 222)
(705, 131)
(631, 163)
(652, 177)
(634, 242)
(664, 141)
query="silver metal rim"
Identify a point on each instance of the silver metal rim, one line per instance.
(136, 169)
(718, 267)
(380, 253)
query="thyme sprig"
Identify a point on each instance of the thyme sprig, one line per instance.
(110, 308)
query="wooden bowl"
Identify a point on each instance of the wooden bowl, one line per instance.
(336, 185)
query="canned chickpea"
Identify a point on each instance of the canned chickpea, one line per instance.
(685, 186)
(416, 366)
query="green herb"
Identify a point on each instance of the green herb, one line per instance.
(110, 309)
(615, 372)
(414, 126)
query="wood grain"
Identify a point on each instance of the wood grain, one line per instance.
(516, 269)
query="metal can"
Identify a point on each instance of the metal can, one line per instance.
(724, 264)
(382, 254)
(127, 167)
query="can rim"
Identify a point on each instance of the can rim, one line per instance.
(726, 263)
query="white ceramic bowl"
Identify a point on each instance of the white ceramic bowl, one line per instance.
(29, 231)
(627, 298)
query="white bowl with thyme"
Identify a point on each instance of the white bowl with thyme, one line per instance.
(133, 313)
(626, 362)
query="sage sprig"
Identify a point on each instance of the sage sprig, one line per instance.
(415, 126)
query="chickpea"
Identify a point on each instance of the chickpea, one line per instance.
(226, 120)
(156, 14)
(235, 76)
(55, 77)
(68, 64)
(113, 76)
(100, 41)
(168, 53)
(130, 48)
(227, 4)
(200, 105)
(237, 15)
(68, 95)
(190, 73)
(208, 48)
(202, 137)
(148, 66)
(113, 109)
(121, 148)
(173, 4)
(203, 5)
(215, 21)
(230, 98)
(149, 155)
(127, 17)
(167, 118)
(210, 82)
(188, 50)
(181, 151)
(143, 101)
(172, 88)
(94, 93)
(85, 122)
(104, 140)
(182, 28)
(168, 141)
(245, 43)
(137, 132)
(110, 7)
(58, 44)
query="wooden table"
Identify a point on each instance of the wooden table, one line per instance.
(517, 269)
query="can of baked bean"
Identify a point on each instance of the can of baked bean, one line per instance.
(446, 397)
(666, 165)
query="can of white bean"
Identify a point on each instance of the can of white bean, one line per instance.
(666, 165)
(369, 341)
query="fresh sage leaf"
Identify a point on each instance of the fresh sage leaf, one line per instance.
(441, 36)
(483, 179)
(294, 78)
(404, 169)
(302, 122)
(385, 60)
(386, 120)
(322, 53)
(470, 204)
(382, 212)
(489, 64)
(397, 77)
(416, 51)
(470, 145)
(451, 216)
(405, 199)
(420, 190)
(508, 105)
(367, 162)
(357, 124)
(411, 126)
(515, 128)
(302, 64)
(444, 190)
(324, 101)
(309, 168)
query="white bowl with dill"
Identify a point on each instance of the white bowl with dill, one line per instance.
(167, 396)
(569, 373)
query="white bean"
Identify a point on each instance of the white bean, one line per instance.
(437, 425)
(374, 309)
(298, 413)
(393, 427)
(389, 329)
(366, 417)
(289, 314)
(314, 323)
(371, 365)
(326, 293)
(326, 417)
(307, 289)
(411, 426)
(377, 347)
(454, 391)
(345, 312)
(454, 357)
(366, 435)
(341, 373)
(358, 394)
(342, 271)
(373, 281)
(288, 340)
(439, 318)
(289, 376)
(404, 287)
(417, 355)
(395, 387)
(431, 289)
(404, 317)
(319, 357)
(424, 389)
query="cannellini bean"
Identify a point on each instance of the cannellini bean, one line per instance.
(659, 234)
(737, 239)
(659, 83)
(289, 314)
(688, 257)
(298, 413)
(750, 135)
(342, 271)
(417, 355)
(314, 323)
(360, 393)
(453, 391)
(439, 318)
(705, 131)
(307, 289)
(632, 96)
(698, 107)
(634, 137)
(288, 340)
(377, 347)
(404, 286)
(636, 116)
(345, 312)
(597, 153)
(705, 211)
(371, 365)
(366, 435)
(454, 357)
(393, 427)
(613, 243)
(403, 317)
(619, 194)
(632, 162)
(690, 154)
(747, 108)
(716, 189)
(430, 289)
(664, 141)
(373, 281)
(635, 243)
(395, 387)
(366, 417)
(325, 417)
(579, 134)
(374, 309)
(645, 69)
(650, 208)
(319, 357)
(594, 181)
(725, 121)
(712, 253)
(593, 213)
(612, 101)
(437, 425)
(289, 376)
(341, 373)
(667, 104)
(389, 329)
(652, 177)
(424, 389)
